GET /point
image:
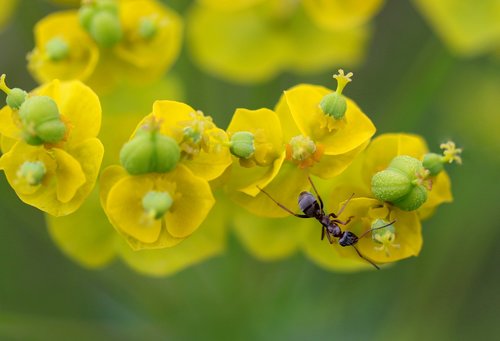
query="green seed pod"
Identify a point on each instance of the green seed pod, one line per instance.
(434, 163)
(334, 105)
(16, 98)
(147, 28)
(57, 49)
(156, 204)
(32, 172)
(390, 185)
(107, 5)
(407, 165)
(413, 200)
(85, 15)
(105, 28)
(150, 152)
(242, 144)
(41, 121)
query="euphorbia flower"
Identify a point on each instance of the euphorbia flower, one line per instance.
(52, 164)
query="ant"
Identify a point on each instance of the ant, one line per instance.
(309, 205)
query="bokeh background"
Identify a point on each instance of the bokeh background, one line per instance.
(411, 81)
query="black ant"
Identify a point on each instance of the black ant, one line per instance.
(309, 205)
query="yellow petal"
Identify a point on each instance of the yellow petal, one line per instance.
(229, 5)
(8, 7)
(268, 239)
(439, 194)
(303, 102)
(85, 236)
(338, 14)
(69, 175)
(242, 47)
(208, 241)
(170, 114)
(8, 126)
(332, 165)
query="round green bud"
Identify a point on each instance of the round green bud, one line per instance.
(433, 162)
(85, 15)
(105, 28)
(242, 144)
(150, 152)
(157, 204)
(16, 98)
(413, 200)
(390, 185)
(147, 28)
(407, 165)
(57, 49)
(334, 105)
(41, 121)
(32, 172)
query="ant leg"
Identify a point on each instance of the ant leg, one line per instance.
(316, 191)
(323, 232)
(344, 206)
(283, 206)
(366, 259)
(328, 235)
(343, 222)
(377, 228)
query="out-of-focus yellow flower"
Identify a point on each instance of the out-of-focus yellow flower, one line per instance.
(339, 14)
(7, 8)
(203, 145)
(469, 28)
(254, 43)
(57, 176)
(136, 43)
(81, 56)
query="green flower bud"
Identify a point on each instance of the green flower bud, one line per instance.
(402, 183)
(407, 165)
(156, 204)
(334, 105)
(433, 162)
(242, 144)
(147, 28)
(413, 200)
(105, 28)
(380, 232)
(16, 98)
(57, 49)
(150, 152)
(41, 121)
(32, 172)
(85, 15)
(390, 185)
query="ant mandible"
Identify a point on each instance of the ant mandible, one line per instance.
(330, 227)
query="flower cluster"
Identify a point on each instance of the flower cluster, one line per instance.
(107, 42)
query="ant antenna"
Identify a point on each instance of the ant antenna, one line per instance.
(377, 228)
(366, 259)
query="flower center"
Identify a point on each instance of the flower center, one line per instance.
(384, 237)
(303, 151)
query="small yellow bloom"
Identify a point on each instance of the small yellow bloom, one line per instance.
(203, 144)
(123, 199)
(55, 177)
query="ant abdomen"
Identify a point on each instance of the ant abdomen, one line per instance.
(308, 204)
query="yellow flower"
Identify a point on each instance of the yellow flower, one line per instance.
(339, 14)
(468, 28)
(257, 42)
(124, 200)
(316, 145)
(203, 144)
(55, 177)
(82, 53)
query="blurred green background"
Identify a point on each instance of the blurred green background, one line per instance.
(410, 82)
